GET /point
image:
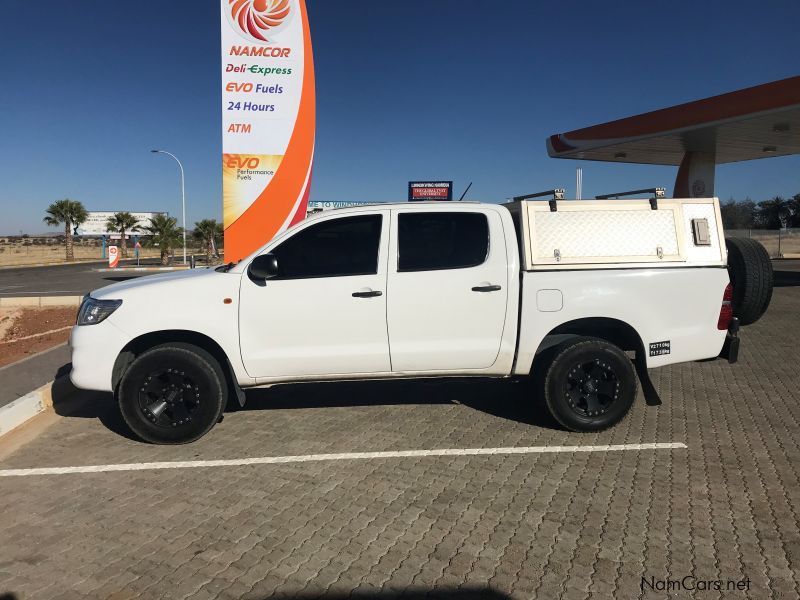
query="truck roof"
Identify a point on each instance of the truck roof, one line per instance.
(400, 204)
(407, 203)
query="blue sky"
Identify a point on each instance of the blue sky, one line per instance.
(88, 87)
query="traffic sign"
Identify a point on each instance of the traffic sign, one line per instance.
(113, 256)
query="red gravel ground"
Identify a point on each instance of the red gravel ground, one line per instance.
(21, 323)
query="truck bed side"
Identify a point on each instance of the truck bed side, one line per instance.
(675, 305)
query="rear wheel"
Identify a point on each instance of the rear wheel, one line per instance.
(590, 385)
(750, 272)
(172, 394)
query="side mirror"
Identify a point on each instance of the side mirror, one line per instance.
(264, 266)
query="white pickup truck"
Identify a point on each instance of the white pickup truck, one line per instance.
(430, 290)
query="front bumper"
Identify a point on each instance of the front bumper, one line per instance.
(94, 350)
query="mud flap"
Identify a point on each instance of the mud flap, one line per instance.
(730, 349)
(651, 396)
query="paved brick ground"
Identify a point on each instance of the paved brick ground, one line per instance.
(527, 526)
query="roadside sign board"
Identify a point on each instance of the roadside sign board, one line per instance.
(331, 204)
(430, 190)
(95, 224)
(113, 256)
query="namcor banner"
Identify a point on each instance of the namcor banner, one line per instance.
(268, 120)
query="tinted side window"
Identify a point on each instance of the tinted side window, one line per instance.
(449, 240)
(334, 248)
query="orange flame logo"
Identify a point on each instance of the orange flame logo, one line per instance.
(256, 17)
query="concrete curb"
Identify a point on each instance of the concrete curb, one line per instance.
(56, 264)
(90, 261)
(39, 301)
(23, 409)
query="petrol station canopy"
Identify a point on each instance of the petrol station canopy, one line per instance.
(756, 122)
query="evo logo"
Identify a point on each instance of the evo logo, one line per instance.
(659, 348)
(237, 161)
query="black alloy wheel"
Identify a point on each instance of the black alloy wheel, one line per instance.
(172, 394)
(169, 398)
(589, 385)
(591, 388)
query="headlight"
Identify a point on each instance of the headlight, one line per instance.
(93, 311)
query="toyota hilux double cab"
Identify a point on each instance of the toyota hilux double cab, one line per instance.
(435, 289)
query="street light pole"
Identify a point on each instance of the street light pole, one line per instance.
(183, 197)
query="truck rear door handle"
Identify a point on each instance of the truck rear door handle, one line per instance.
(486, 288)
(367, 294)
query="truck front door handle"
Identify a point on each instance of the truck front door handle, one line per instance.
(367, 294)
(486, 288)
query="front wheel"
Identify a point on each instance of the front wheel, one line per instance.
(590, 385)
(172, 394)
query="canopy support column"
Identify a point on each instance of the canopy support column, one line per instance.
(695, 177)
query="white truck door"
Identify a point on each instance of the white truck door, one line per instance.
(447, 289)
(325, 312)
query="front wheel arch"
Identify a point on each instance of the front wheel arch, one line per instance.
(142, 343)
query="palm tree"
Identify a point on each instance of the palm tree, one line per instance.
(70, 213)
(208, 232)
(794, 206)
(122, 222)
(164, 233)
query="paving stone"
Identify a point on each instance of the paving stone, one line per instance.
(524, 526)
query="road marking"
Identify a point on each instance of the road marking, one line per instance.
(273, 460)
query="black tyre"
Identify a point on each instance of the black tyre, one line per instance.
(750, 271)
(172, 394)
(590, 385)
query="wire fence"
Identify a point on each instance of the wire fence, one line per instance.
(28, 251)
(780, 243)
